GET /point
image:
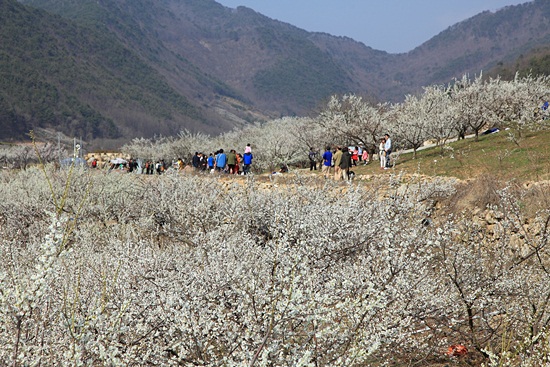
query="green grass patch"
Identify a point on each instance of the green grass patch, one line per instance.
(496, 155)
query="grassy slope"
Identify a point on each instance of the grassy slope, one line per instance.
(493, 155)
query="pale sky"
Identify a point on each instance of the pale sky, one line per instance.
(388, 25)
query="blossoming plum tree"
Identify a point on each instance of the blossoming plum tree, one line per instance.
(102, 269)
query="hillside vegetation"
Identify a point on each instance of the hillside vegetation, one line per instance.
(117, 70)
(535, 62)
(81, 81)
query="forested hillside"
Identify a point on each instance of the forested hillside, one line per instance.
(120, 69)
(81, 81)
(40, 56)
(262, 62)
(535, 62)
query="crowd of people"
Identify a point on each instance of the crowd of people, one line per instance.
(220, 162)
(337, 162)
(343, 159)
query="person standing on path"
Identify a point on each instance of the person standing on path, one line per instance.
(355, 156)
(337, 161)
(196, 161)
(327, 162)
(231, 161)
(382, 153)
(221, 161)
(247, 162)
(345, 163)
(312, 159)
(387, 149)
(365, 156)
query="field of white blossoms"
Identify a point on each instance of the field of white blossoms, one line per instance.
(103, 269)
(108, 270)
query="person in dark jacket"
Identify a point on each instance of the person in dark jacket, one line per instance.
(345, 163)
(312, 159)
(196, 161)
(231, 161)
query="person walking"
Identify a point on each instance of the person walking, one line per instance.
(239, 157)
(231, 161)
(337, 160)
(355, 156)
(221, 161)
(196, 161)
(210, 162)
(247, 161)
(327, 162)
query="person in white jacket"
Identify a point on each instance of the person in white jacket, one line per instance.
(382, 153)
(387, 149)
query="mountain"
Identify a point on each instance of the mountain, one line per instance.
(87, 82)
(258, 61)
(480, 43)
(533, 62)
(477, 44)
(117, 69)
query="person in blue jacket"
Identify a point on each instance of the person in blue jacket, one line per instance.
(247, 162)
(221, 161)
(327, 162)
(210, 161)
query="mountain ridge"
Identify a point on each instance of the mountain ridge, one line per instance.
(206, 67)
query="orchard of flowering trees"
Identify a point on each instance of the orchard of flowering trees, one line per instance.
(203, 270)
(442, 112)
(107, 270)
